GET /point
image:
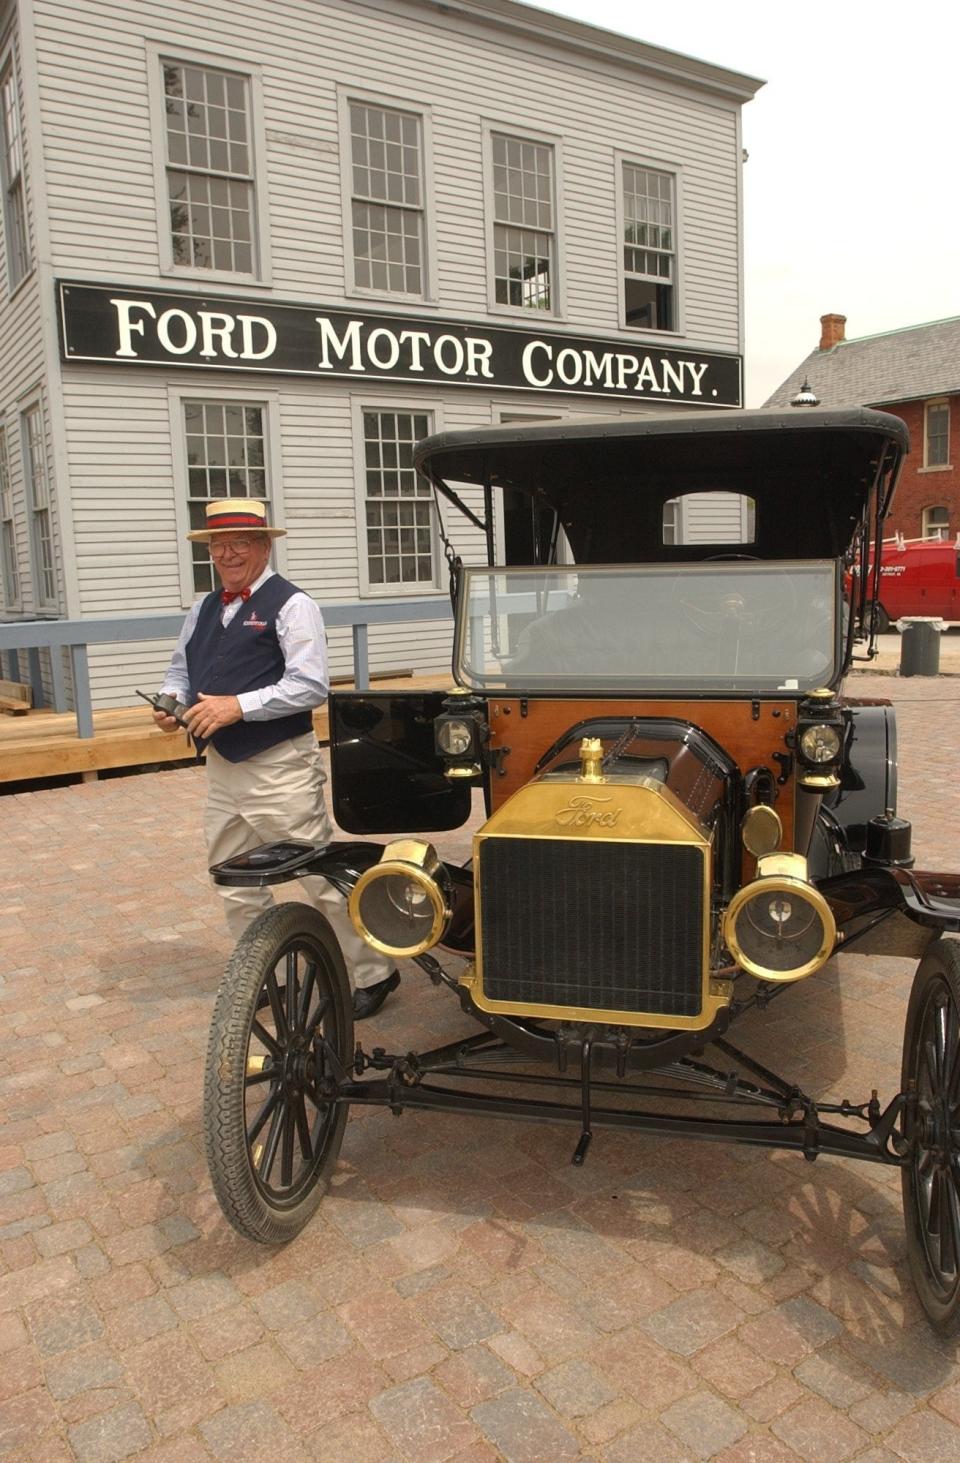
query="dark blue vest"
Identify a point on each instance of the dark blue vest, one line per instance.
(243, 657)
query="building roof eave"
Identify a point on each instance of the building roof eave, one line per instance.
(609, 46)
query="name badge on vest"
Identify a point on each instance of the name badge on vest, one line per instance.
(254, 622)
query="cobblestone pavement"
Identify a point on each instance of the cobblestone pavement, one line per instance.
(464, 1293)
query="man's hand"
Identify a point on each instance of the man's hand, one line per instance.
(211, 713)
(165, 722)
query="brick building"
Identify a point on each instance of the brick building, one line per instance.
(915, 374)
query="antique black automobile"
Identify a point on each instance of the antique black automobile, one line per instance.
(684, 816)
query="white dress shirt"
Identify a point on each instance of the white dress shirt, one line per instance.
(304, 683)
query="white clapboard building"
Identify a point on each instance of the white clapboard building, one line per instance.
(259, 249)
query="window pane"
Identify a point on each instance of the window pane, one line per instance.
(938, 435)
(399, 501)
(217, 434)
(208, 129)
(11, 167)
(387, 170)
(522, 267)
(648, 247)
(648, 306)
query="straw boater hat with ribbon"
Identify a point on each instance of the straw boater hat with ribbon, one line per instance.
(234, 515)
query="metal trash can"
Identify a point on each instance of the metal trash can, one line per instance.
(920, 647)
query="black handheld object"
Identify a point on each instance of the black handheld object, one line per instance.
(169, 705)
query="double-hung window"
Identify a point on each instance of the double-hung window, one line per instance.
(524, 223)
(14, 211)
(226, 458)
(398, 502)
(8, 533)
(209, 164)
(649, 205)
(387, 202)
(38, 499)
(936, 434)
(935, 522)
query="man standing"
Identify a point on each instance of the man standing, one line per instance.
(251, 665)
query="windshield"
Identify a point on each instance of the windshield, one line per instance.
(708, 626)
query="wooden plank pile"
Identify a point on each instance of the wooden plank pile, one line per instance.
(16, 698)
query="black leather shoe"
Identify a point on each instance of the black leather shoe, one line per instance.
(367, 1000)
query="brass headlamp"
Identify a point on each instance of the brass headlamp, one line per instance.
(819, 736)
(401, 905)
(779, 927)
(459, 734)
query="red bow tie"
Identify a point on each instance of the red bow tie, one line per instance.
(227, 596)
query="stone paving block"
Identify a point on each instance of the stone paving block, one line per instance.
(688, 1324)
(423, 1422)
(523, 1429)
(904, 1359)
(758, 1447)
(250, 1432)
(112, 1436)
(314, 1340)
(62, 1322)
(473, 1375)
(355, 1437)
(342, 1385)
(650, 1442)
(458, 1316)
(819, 1433)
(72, 1372)
(255, 1372)
(791, 1331)
(704, 1424)
(925, 1437)
(23, 1420)
(575, 1389)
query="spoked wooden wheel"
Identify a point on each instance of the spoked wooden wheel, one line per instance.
(282, 1033)
(931, 1179)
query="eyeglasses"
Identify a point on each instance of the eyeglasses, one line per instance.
(218, 547)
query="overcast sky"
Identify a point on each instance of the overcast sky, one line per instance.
(851, 191)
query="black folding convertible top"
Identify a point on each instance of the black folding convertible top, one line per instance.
(811, 473)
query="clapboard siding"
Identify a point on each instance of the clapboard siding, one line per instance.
(126, 545)
(23, 381)
(99, 144)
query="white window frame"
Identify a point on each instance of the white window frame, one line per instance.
(433, 409)
(558, 305)
(39, 508)
(230, 396)
(942, 529)
(9, 563)
(157, 55)
(14, 188)
(940, 403)
(674, 170)
(421, 110)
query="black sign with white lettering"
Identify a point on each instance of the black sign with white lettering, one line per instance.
(137, 327)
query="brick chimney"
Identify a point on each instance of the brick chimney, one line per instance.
(831, 331)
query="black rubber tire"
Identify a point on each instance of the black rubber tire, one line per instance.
(294, 1066)
(881, 620)
(931, 1066)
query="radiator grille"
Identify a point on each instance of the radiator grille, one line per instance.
(607, 926)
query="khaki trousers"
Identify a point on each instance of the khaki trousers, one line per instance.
(275, 795)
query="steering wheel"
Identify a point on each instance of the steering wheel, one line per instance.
(730, 611)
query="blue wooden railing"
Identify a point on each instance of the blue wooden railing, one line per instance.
(75, 636)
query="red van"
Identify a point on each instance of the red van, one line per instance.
(919, 577)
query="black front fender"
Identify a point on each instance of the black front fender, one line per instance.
(275, 863)
(890, 911)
